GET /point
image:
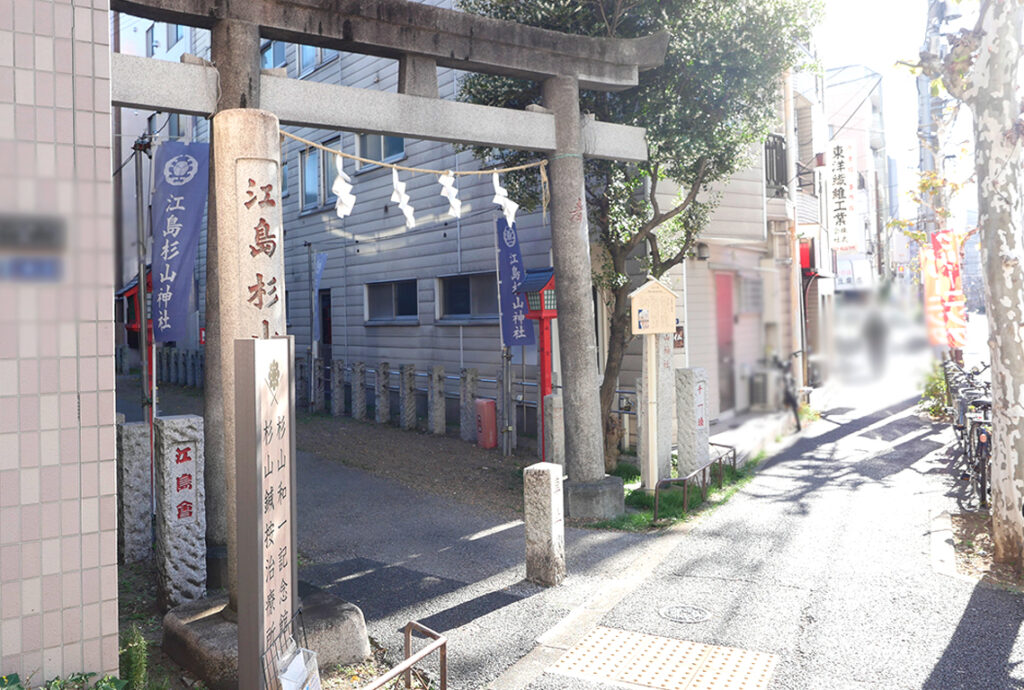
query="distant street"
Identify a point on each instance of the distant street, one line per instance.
(826, 561)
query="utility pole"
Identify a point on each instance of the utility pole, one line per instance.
(141, 146)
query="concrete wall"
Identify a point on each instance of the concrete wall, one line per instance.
(58, 532)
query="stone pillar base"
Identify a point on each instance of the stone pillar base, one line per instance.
(201, 637)
(216, 566)
(600, 500)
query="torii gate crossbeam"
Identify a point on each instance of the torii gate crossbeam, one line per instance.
(421, 37)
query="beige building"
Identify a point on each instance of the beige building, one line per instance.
(58, 531)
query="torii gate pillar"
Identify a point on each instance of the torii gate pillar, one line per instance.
(589, 492)
(235, 50)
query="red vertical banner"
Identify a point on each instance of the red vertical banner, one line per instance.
(945, 303)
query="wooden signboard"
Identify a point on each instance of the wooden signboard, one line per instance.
(652, 309)
(265, 476)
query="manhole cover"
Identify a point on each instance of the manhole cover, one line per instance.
(685, 614)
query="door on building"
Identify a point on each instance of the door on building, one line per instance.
(724, 321)
(324, 314)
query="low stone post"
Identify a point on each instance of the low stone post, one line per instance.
(302, 383)
(180, 511)
(319, 379)
(382, 392)
(692, 433)
(436, 404)
(134, 492)
(407, 396)
(201, 368)
(358, 390)
(179, 367)
(190, 367)
(337, 388)
(554, 429)
(467, 404)
(544, 520)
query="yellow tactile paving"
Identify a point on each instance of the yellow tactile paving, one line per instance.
(648, 661)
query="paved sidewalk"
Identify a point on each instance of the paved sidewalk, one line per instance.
(825, 561)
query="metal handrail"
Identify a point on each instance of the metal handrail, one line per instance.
(702, 471)
(405, 668)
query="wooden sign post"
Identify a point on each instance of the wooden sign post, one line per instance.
(265, 476)
(652, 312)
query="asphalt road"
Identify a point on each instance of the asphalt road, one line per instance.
(825, 560)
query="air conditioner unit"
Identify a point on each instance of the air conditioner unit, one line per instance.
(766, 390)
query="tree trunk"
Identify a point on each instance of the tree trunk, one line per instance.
(1000, 174)
(618, 341)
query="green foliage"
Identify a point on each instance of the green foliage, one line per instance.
(75, 681)
(135, 659)
(713, 97)
(628, 471)
(705, 109)
(640, 512)
(933, 399)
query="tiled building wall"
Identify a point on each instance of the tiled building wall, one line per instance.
(58, 572)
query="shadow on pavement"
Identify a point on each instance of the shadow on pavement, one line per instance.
(377, 588)
(978, 653)
(820, 461)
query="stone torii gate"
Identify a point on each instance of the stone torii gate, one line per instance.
(420, 37)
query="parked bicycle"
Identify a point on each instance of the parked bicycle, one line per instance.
(970, 406)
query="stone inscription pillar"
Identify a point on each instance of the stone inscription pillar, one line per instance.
(692, 434)
(245, 289)
(180, 511)
(544, 523)
(134, 492)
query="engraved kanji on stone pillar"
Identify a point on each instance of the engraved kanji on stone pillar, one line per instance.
(407, 396)
(467, 404)
(180, 512)
(545, 523)
(359, 390)
(337, 388)
(692, 425)
(436, 412)
(382, 399)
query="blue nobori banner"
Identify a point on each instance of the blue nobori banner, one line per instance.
(516, 329)
(181, 174)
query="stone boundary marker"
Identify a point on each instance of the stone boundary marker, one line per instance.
(543, 515)
(692, 435)
(134, 492)
(180, 513)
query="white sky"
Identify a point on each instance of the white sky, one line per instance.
(879, 33)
